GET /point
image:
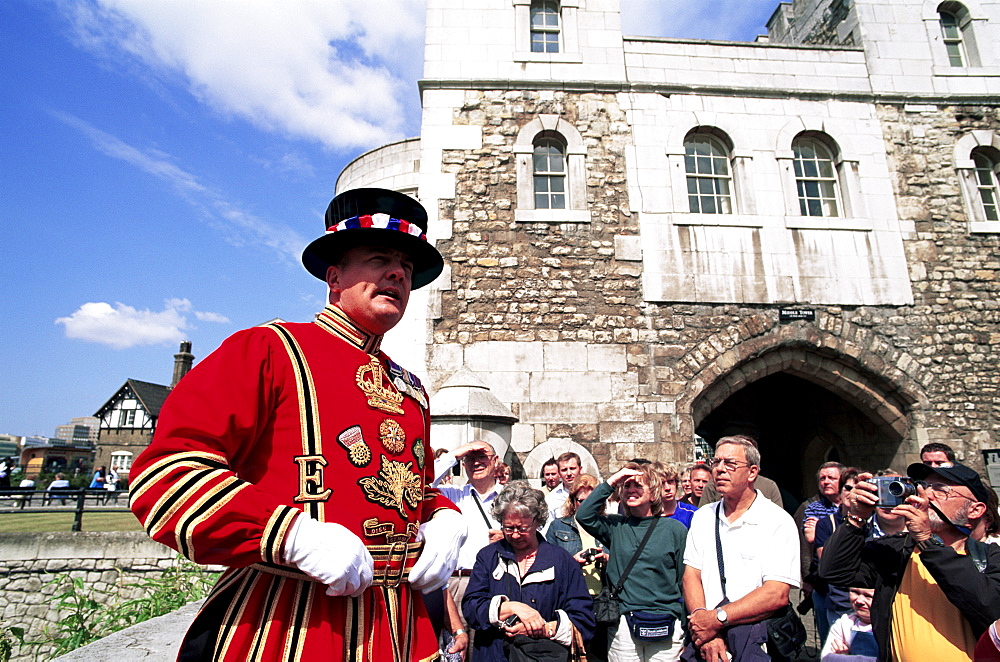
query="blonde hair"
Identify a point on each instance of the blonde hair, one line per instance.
(651, 478)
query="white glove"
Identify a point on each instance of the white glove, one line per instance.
(330, 554)
(443, 536)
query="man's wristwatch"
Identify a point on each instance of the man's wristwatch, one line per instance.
(722, 616)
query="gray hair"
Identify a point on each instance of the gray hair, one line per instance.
(520, 498)
(750, 451)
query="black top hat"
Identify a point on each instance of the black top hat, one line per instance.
(375, 217)
(956, 473)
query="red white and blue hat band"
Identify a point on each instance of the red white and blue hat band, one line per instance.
(379, 221)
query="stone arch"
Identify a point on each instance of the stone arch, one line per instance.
(852, 361)
(554, 448)
(845, 150)
(972, 140)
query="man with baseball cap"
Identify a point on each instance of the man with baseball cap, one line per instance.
(298, 455)
(936, 588)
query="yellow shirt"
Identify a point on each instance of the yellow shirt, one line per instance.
(925, 625)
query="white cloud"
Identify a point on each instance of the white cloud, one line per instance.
(122, 326)
(336, 72)
(240, 227)
(735, 20)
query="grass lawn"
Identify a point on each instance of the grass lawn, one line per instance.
(43, 522)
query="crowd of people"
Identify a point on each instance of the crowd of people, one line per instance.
(298, 455)
(911, 580)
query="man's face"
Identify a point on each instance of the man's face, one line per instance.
(699, 479)
(670, 489)
(732, 472)
(952, 499)
(936, 459)
(829, 483)
(480, 464)
(569, 470)
(550, 474)
(372, 285)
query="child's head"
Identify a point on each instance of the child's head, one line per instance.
(861, 600)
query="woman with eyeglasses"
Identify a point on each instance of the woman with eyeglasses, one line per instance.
(651, 592)
(524, 592)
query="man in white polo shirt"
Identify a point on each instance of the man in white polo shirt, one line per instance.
(475, 500)
(569, 468)
(760, 552)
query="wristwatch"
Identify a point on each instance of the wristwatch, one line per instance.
(933, 541)
(722, 616)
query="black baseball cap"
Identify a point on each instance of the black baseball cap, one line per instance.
(957, 473)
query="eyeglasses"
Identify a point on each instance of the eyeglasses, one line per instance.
(943, 491)
(480, 457)
(729, 465)
(523, 530)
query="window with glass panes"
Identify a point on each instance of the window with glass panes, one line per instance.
(544, 26)
(986, 183)
(815, 178)
(709, 182)
(951, 33)
(549, 169)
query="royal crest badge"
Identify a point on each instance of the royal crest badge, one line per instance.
(381, 392)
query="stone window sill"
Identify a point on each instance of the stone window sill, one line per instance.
(568, 58)
(984, 227)
(825, 223)
(966, 72)
(736, 220)
(552, 215)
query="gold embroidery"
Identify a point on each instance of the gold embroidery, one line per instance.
(381, 392)
(374, 528)
(395, 486)
(357, 450)
(311, 479)
(418, 452)
(392, 435)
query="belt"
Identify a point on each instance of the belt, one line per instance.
(392, 564)
(462, 573)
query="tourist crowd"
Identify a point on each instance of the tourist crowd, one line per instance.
(655, 564)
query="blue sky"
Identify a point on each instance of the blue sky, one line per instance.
(164, 163)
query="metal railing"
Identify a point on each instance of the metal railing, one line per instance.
(77, 500)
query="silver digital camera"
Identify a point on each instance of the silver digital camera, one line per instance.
(893, 490)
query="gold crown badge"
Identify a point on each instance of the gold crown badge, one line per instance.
(371, 379)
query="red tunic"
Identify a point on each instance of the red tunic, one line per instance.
(280, 419)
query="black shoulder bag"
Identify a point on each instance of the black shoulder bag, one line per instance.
(785, 632)
(607, 604)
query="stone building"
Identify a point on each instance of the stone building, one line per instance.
(653, 242)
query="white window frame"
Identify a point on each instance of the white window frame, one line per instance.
(540, 7)
(975, 141)
(974, 27)
(569, 34)
(576, 210)
(823, 154)
(720, 152)
(121, 461)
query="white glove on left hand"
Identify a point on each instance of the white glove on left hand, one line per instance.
(443, 536)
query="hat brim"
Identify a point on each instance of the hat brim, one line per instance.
(971, 480)
(322, 253)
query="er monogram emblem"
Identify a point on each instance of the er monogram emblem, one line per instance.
(381, 392)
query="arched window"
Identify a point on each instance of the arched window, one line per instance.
(815, 177)
(986, 170)
(951, 34)
(709, 176)
(549, 170)
(121, 461)
(544, 26)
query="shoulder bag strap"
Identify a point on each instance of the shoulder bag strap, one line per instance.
(475, 497)
(635, 557)
(718, 550)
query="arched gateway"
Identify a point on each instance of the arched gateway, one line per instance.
(811, 395)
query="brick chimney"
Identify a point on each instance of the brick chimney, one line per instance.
(183, 361)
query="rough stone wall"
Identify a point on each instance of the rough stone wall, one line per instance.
(110, 564)
(537, 281)
(953, 323)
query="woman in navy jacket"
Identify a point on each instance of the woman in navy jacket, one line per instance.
(533, 586)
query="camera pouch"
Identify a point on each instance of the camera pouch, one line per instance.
(647, 626)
